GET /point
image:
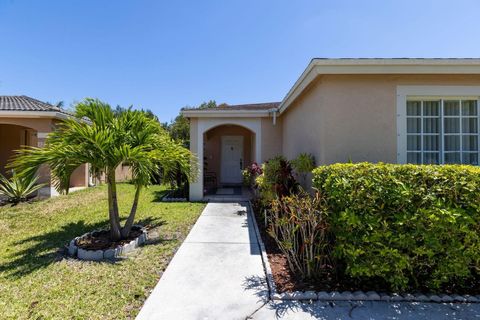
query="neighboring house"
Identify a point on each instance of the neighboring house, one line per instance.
(388, 110)
(25, 121)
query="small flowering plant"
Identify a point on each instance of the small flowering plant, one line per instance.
(255, 169)
(250, 173)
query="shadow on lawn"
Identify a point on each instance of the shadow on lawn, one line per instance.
(41, 250)
(159, 195)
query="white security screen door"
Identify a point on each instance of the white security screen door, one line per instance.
(232, 159)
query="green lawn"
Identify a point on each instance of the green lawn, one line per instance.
(38, 282)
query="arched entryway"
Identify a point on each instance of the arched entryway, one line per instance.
(14, 137)
(224, 148)
(227, 150)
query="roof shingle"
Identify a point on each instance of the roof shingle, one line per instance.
(24, 103)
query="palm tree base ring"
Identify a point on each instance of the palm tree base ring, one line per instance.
(75, 250)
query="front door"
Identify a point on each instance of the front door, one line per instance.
(232, 159)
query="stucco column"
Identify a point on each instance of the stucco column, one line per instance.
(257, 140)
(196, 147)
(44, 171)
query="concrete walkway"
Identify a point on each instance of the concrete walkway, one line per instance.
(217, 272)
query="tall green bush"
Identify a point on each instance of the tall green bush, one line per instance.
(415, 227)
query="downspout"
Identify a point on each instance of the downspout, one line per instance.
(274, 111)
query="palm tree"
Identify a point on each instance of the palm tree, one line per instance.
(105, 140)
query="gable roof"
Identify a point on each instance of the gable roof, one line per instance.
(322, 66)
(23, 105)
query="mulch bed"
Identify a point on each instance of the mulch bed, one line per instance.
(100, 240)
(287, 281)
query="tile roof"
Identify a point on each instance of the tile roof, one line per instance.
(24, 103)
(251, 106)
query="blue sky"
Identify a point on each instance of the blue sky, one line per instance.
(164, 55)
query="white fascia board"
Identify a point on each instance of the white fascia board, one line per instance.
(378, 66)
(33, 114)
(397, 61)
(305, 79)
(225, 113)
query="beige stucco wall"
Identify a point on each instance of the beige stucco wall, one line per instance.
(38, 124)
(352, 117)
(271, 138)
(79, 177)
(212, 152)
(123, 173)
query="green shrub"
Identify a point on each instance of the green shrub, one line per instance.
(250, 173)
(415, 227)
(298, 225)
(276, 180)
(303, 165)
(19, 188)
(247, 178)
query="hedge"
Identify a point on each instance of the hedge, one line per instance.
(411, 226)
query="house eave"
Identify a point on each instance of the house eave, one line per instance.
(319, 67)
(225, 113)
(33, 114)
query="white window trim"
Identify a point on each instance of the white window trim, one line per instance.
(405, 93)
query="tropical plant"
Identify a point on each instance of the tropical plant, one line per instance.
(303, 165)
(106, 139)
(18, 188)
(276, 180)
(298, 224)
(250, 173)
(179, 130)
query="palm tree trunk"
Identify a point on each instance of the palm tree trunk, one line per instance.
(131, 218)
(115, 233)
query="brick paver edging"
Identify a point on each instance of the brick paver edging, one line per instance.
(347, 295)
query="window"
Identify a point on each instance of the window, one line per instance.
(442, 131)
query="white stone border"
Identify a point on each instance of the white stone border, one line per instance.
(166, 199)
(109, 254)
(266, 265)
(348, 295)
